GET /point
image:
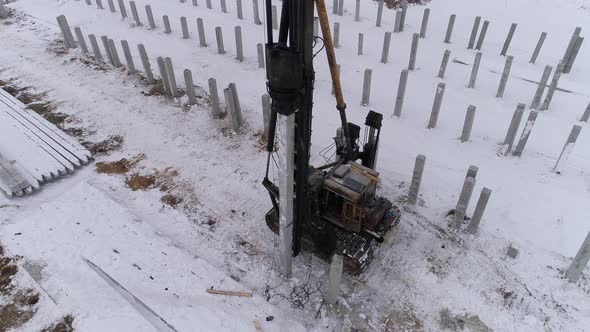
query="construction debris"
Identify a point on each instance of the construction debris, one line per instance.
(228, 293)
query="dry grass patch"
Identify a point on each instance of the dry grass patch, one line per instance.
(104, 147)
(119, 166)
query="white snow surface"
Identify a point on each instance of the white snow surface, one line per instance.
(425, 269)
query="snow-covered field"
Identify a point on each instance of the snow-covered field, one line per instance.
(429, 278)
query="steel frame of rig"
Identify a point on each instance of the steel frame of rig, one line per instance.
(332, 208)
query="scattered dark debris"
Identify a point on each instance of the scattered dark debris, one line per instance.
(270, 318)
(403, 320)
(137, 266)
(211, 221)
(116, 251)
(56, 118)
(120, 166)
(171, 200)
(505, 294)
(398, 3)
(74, 131)
(140, 182)
(111, 143)
(512, 252)
(64, 325)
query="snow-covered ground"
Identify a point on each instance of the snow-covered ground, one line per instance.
(218, 233)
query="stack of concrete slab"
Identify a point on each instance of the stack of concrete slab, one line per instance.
(33, 150)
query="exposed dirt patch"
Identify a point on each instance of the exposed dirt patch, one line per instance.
(64, 325)
(26, 97)
(42, 108)
(171, 200)
(157, 89)
(56, 118)
(18, 305)
(118, 167)
(75, 131)
(462, 322)
(57, 47)
(112, 143)
(140, 182)
(403, 320)
(165, 179)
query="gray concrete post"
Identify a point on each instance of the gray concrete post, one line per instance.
(229, 109)
(474, 70)
(69, 41)
(219, 38)
(401, 93)
(145, 61)
(106, 46)
(508, 39)
(184, 28)
(366, 87)
(256, 12)
(468, 124)
(386, 43)
(340, 7)
(89, 3)
(114, 54)
(208, 3)
(402, 22)
(190, 87)
(214, 97)
(474, 31)
(541, 87)
(463, 203)
(3, 11)
(195, 3)
(450, 27)
(171, 77)
(336, 34)
(335, 279)
(266, 114)
(505, 75)
(122, 9)
(424, 25)
(223, 6)
(274, 17)
(238, 107)
(480, 208)
(260, 50)
(571, 45)
(99, 4)
(128, 57)
(526, 132)
(538, 47)
(95, 48)
(553, 86)
(572, 59)
(112, 6)
(574, 272)
(443, 64)
(201, 31)
(335, 7)
(567, 148)
(316, 26)
(438, 97)
(167, 29)
(163, 75)
(357, 11)
(134, 13)
(482, 35)
(379, 13)
(239, 9)
(586, 114)
(416, 179)
(472, 171)
(239, 48)
(512, 129)
(81, 41)
(150, 17)
(398, 21)
(360, 44)
(413, 52)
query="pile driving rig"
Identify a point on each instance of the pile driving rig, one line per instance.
(335, 209)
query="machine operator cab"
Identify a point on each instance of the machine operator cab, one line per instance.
(348, 200)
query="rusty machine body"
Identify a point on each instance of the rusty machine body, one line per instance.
(335, 207)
